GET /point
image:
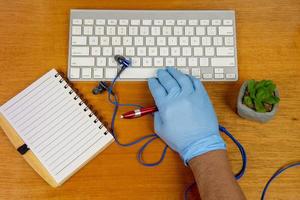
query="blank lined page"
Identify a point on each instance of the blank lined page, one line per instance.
(56, 125)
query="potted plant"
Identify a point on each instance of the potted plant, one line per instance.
(258, 100)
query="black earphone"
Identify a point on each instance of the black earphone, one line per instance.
(103, 86)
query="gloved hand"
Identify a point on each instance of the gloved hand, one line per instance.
(185, 119)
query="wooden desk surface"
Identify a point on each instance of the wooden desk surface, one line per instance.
(34, 38)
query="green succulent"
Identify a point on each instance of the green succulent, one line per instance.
(260, 95)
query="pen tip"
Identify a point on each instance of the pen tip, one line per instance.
(121, 116)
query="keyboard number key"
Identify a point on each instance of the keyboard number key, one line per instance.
(88, 30)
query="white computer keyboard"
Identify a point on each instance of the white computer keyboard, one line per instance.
(200, 43)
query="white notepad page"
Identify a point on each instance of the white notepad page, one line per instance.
(54, 126)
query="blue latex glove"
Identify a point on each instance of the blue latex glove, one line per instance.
(186, 120)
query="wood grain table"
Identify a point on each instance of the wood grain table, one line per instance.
(34, 39)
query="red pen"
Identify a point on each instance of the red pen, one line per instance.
(138, 112)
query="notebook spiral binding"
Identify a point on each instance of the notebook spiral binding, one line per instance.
(88, 107)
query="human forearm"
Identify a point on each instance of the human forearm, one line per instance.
(214, 178)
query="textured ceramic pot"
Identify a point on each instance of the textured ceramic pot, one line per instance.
(250, 114)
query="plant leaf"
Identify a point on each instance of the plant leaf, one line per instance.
(248, 102)
(251, 88)
(259, 106)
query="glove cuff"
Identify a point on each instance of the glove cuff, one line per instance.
(214, 142)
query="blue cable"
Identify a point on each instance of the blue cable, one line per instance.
(277, 173)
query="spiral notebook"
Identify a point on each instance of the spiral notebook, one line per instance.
(52, 127)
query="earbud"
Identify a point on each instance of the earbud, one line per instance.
(122, 61)
(102, 86)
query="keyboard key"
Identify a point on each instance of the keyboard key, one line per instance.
(216, 22)
(193, 22)
(152, 51)
(96, 51)
(100, 21)
(77, 21)
(196, 72)
(166, 30)
(198, 51)
(74, 72)
(192, 62)
(122, 30)
(112, 62)
(204, 22)
(178, 30)
(150, 41)
(147, 22)
(189, 30)
(181, 62)
(195, 41)
(161, 41)
(111, 30)
(207, 76)
(101, 61)
(104, 41)
(158, 22)
(209, 51)
(158, 62)
(98, 72)
(186, 51)
(184, 70)
(170, 62)
(218, 41)
(141, 51)
(175, 51)
(107, 51)
(76, 30)
(118, 50)
(82, 61)
(112, 22)
(183, 41)
(211, 30)
(203, 62)
(116, 41)
(219, 70)
(206, 41)
(170, 22)
(88, 21)
(123, 21)
(230, 76)
(220, 62)
(225, 30)
(80, 51)
(219, 76)
(86, 72)
(112, 72)
(139, 73)
(164, 51)
(200, 30)
(93, 40)
(136, 61)
(172, 41)
(144, 30)
(181, 22)
(229, 41)
(155, 30)
(99, 30)
(129, 51)
(225, 51)
(133, 30)
(138, 41)
(147, 62)
(227, 22)
(88, 30)
(127, 41)
(135, 22)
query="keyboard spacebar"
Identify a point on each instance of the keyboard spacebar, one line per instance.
(139, 73)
